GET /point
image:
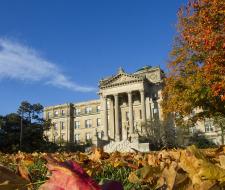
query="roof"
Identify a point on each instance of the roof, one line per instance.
(144, 68)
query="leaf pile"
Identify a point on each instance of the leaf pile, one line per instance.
(189, 168)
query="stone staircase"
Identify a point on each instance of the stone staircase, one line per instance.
(126, 146)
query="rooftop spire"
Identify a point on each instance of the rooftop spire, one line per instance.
(120, 70)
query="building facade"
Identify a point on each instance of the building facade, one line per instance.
(125, 101)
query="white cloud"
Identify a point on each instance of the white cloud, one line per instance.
(20, 62)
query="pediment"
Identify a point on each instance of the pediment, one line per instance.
(122, 78)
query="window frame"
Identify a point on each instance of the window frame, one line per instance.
(75, 125)
(62, 125)
(88, 123)
(77, 111)
(98, 122)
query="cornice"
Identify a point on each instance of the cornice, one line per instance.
(106, 84)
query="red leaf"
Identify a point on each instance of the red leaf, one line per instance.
(68, 176)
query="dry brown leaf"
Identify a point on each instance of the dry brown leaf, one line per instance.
(211, 171)
(153, 160)
(190, 164)
(170, 175)
(23, 172)
(10, 181)
(222, 161)
(96, 154)
(147, 174)
(207, 185)
(175, 154)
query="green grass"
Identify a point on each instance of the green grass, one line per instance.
(118, 174)
(38, 173)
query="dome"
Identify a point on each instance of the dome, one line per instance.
(144, 68)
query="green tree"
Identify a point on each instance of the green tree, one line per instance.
(34, 126)
(25, 110)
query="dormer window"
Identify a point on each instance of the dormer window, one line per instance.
(77, 111)
(56, 113)
(88, 110)
(98, 109)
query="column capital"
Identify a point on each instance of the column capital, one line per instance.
(129, 92)
(142, 90)
(104, 96)
(116, 94)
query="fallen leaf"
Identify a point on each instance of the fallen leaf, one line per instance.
(10, 181)
(68, 176)
(170, 175)
(23, 172)
(222, 161)
(147, 174)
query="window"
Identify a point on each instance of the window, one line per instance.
(62, 136)
(77, 125)
(98, 122)
(98, 108)
(193, 129)
(62, 112)
(55, 126)
(88, 109)
(77, 111)
(209, 125)
(56, 113)
(77, 138)
(100, 135)
(88, 136)
(62, 125)
(88, 123)
(140, 114)
(48, 115)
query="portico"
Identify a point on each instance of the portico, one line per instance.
(116, 112)
(123, 91)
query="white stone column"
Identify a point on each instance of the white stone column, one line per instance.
(105, 117)
(117, 125)
(151, 109)
(131, 117)
(143, 109)
(111, 121)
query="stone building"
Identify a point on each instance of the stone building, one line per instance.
(125, 101)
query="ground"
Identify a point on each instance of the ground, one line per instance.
(188, 168)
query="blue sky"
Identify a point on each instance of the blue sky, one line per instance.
(55, 52)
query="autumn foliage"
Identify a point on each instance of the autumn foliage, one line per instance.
(189, 168)
(197, 66)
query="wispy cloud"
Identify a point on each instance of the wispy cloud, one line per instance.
(23, 63)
